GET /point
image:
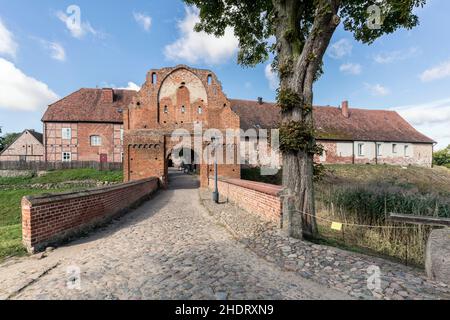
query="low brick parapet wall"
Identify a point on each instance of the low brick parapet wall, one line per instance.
(260, 198)
(50, 219)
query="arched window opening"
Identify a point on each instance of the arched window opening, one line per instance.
(166, 109)
(154, 78)
(209, 79)
(200, 110)
(183, 109)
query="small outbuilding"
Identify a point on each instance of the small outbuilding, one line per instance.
(28, 147)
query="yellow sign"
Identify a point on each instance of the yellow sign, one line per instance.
(336, 226)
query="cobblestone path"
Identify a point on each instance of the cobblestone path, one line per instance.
(169, 248)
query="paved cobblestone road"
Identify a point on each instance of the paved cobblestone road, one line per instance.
(170, 248)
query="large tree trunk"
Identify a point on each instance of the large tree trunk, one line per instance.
(299, 61)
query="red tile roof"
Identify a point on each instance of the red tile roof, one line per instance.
(362, 124)
(87, 105)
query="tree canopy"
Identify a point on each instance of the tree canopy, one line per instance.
(255, 21)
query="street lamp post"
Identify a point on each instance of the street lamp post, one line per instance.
(216, 187)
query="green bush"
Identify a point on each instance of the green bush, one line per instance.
(442, 157)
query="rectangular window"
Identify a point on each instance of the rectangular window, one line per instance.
(406, 151)
(66, 156)
(121, 134)
(96, 141)
(66, 133)
(394, 148)
(379, 153)
(360, 149)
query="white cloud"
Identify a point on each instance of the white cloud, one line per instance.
(272, 77)
(431, 118)
(57, 51)
(351, 68)
(196, 47)
(394, 56)
(340, 49)
(377, 89)
(436, 73)
(7, 44)
(132, 86)
(77, 29)
(21, 92)
(143, 20)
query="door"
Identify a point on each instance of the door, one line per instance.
(103, 158)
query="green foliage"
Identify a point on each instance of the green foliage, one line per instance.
(288, 100)
(65, 175)
(255, 21)
(298, 136)
(319, 171)
(442, 157)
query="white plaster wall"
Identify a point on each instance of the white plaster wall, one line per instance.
(344, 149)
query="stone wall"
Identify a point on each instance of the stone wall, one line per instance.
(260, 198)
(50, 219)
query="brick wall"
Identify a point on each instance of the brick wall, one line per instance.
(54, 218)
(80, 143)
(255, 197)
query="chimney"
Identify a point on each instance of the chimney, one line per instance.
(260, 100)
(107, 95)
(345, 111)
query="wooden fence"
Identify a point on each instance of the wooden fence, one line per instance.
(47, 166)
(412, 219)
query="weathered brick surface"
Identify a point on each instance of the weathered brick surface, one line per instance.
(259, 198)
(174, 99)
(53, 218)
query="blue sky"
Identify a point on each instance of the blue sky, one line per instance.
(43, 59)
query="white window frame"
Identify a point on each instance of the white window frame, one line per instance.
(360, 149)
(379, 149)
(64, 159)
(66, 133)
(394, 148)
(92, 141)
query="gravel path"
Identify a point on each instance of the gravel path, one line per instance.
(170, 248)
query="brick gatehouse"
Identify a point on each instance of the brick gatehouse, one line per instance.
(173, 99)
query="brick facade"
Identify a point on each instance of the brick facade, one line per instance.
(54, 218)
(259, 198)
(175, 99)
(79, 145)
(182, 97)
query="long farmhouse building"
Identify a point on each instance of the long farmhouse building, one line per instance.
(88, 125)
